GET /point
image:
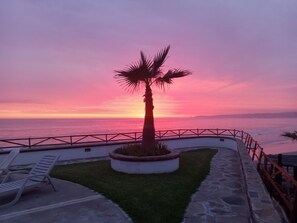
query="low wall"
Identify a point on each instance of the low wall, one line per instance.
(66, 154)
(101, 151)
(218, 142)
(261, 205)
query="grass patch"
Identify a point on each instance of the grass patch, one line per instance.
(145, 198)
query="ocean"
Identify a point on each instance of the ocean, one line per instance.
(267, 131)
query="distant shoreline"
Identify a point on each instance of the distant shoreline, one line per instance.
(255, 115)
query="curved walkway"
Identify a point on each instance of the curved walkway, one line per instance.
(71, 203)
(221, 197)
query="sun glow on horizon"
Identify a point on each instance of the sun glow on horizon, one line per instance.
(125, 106)
(73, 115)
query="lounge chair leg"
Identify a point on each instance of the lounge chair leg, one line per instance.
(51, 183)
(15, 200)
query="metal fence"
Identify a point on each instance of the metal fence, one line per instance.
(39, 142)
(280, 184)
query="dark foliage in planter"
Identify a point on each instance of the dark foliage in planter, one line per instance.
(137, 150)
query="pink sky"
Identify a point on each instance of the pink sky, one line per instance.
(57, 58)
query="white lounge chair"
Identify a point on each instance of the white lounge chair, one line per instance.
(6, 163)
(38, 175)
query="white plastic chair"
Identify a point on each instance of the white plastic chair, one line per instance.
(6, 163)
(38, 175)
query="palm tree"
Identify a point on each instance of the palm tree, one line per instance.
(292, 135)
(144, 74)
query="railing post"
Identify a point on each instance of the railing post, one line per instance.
(271, 169)
(106, 139)
(254, 152)
(29, 143)
(251, 142)
(280, 159)
(246, 140)
(265, 164)
(294, 212)
(260, 159)
(249, 149)
(71, 140)
(278, 177)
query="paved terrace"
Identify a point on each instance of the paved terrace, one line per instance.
(72, 203)
(232, 192)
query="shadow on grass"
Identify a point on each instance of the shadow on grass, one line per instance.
(145, 198)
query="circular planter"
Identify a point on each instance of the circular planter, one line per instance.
(145, 164)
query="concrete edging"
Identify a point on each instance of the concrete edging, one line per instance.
(261, 204)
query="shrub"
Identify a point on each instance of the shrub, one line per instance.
(137, 150)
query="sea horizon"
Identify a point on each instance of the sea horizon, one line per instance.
(287, 114)
(267, 131)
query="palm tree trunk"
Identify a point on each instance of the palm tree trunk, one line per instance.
(148, 133)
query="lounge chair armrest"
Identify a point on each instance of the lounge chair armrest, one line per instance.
(10, 173)
(19, 171)
(30, 178)
(4, 170)
(7, 176)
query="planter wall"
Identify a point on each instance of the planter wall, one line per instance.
(145, 165)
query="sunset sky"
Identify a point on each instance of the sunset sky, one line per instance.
(57, 58)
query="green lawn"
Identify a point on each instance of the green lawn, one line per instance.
(145, 198)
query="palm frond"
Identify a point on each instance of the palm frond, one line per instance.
(170, 75)
(132, 77)
(145, 62)
(159, 60)
(147, 72)
(176, 73)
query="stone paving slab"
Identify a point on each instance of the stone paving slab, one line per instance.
(221, 197)
(89, 211)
